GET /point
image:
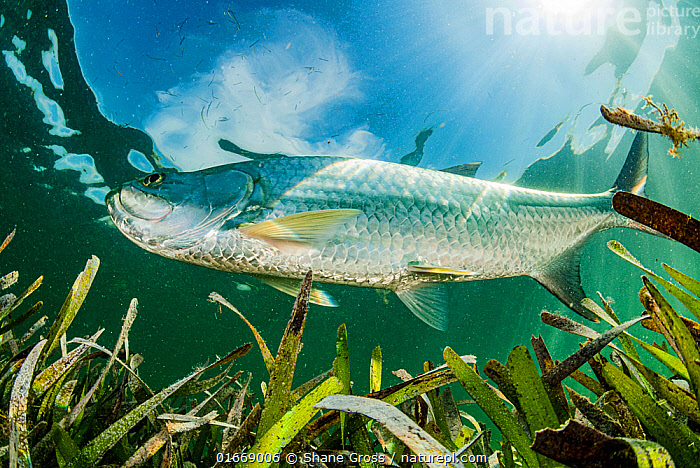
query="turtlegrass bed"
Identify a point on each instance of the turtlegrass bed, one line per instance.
(74, 403)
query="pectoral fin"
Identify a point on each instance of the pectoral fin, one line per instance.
(427, 302)
(300, 229)
(291, 286)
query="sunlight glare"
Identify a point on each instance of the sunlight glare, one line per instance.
(565, 7)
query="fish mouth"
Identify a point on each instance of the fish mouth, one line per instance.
(114, 208)
(130, 218)
(144, 219)
(139, 204)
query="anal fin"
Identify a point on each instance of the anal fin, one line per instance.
(291, 286)
(562, 277)
(427, 302)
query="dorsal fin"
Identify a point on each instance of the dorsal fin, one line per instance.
(467, 170)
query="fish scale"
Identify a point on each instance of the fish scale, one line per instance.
(481, 235)
(405, 229)
(489, 241)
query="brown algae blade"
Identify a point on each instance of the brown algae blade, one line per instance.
(51, 374)
(7, 240)
(666, 220)
(17, 415)
(568, 325)
(98, 446)
(417, 439)
(278, 398)
(491, 404)
(341, 369)
(580, 357)
(17, 302)
(289, 425)
(126, 326)
(264, 350)
(375, 370)
(687, 347)
(9, 279)
(677, 438)
(534, 401)
(72, 304)
(657, 319)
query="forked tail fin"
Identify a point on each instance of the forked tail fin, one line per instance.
(633, 179)
(562, 276)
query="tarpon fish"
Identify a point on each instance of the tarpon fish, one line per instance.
(372, 224)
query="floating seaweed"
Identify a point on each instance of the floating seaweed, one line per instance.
(669, 123)
(673, 223)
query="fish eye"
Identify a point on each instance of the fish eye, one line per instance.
(153, 180)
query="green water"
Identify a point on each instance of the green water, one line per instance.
(177, 328)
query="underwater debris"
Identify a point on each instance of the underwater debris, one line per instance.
(580, 445)
(673, 223)
(416, 156)
(552, 133)
(669, 124)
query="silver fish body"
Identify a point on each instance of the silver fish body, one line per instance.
(367, 223)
